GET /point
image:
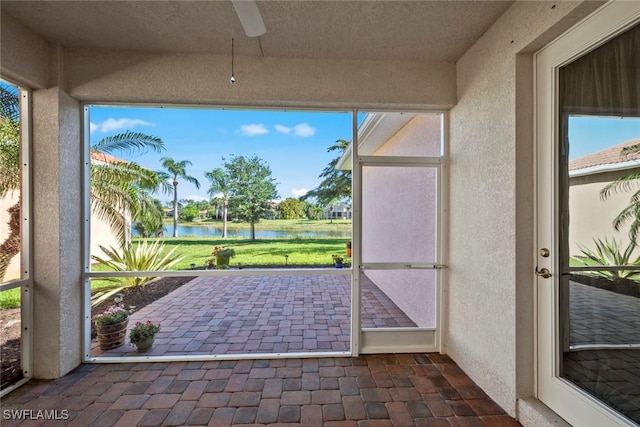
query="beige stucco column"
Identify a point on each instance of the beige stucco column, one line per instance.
(57, 233)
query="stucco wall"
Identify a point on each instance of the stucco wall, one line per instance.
(591, 217)
(101, 235)
(57, 230)
(399, 219)
(199, 78)
(25, 56)
(490, 298)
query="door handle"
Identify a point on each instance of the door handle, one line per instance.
(543, 272)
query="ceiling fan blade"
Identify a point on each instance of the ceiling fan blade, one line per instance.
(250, 17)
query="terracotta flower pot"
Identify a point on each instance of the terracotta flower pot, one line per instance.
(112, 336)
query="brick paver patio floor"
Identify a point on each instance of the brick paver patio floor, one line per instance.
(380, 390)
(601, 317)
(261, 314)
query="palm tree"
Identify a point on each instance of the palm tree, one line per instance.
(176, 170)
(120, 189)
(626, 184)
(10, 170)
(150, 224)
(220, 189)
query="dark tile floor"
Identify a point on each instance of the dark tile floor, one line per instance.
(378, 390)
(261, 314)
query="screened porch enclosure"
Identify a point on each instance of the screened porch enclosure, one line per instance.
(389, 288)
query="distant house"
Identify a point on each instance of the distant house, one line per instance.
(337, 211)
(588, 175)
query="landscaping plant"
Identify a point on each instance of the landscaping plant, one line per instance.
(143, 331)
(609, 253)
(114, 314)
(144, 256)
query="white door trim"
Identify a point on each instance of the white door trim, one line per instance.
(567, 400)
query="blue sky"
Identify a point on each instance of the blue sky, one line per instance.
(592, 134)
(294, 144)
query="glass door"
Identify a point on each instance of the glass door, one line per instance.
(588, 261)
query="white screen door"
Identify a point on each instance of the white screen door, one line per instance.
(400, 160)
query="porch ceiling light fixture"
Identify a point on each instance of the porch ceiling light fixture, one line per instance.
(250, 17)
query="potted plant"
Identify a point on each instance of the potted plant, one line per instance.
(111, 325)
(338, 260)
(222, 256)
(142, 335)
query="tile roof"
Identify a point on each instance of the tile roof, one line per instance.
(104, 157)
(609, 156)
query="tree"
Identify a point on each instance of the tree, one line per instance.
(219, 188)
(174, 171)
(251, 189)
(120, 189)
(10, 170)
(631, 213)
(150, 224)
(335, 184)
(189, 213)
(117, 188)
(290, 208)
(313, 211)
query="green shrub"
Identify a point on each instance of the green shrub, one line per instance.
(609, 253)
(144, 256)
(188, 213)
(10, 298)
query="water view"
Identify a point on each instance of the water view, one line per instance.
(211, 231)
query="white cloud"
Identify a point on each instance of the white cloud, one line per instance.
(298, 192)
(112, 124)
(304, 130)
(195, 197)
(283, 129)
(253, 129)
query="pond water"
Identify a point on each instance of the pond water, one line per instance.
(209, 231)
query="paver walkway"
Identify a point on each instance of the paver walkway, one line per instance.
(261, 314)
(598, 316)
(602, 317)
(380, 390)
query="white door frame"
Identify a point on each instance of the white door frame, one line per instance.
(563, 397)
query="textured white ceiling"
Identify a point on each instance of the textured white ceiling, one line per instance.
(384, 30)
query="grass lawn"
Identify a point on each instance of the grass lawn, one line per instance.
(10, 298)
(262, 252)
